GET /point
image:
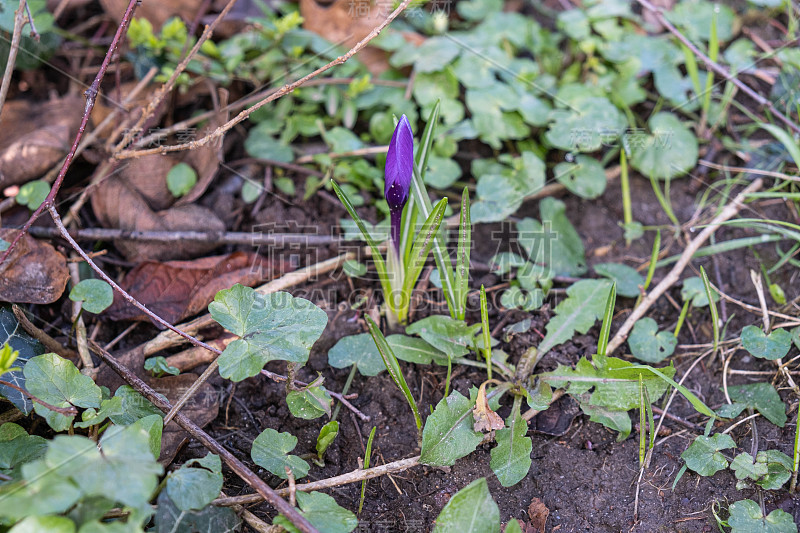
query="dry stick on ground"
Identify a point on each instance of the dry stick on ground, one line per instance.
(19, 22)
(170, 83)
(286, 89)
(66, 411)
(91, 97)
(264, 490)
(722, 71)
(168, 339)
(672, 277)
(50, 344)
(216, 237)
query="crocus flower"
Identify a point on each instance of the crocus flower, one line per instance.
(399, 167)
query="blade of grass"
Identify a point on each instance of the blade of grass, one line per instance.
(712, 305)
(642, 426)
(393, 367)
(664, 202)
(713, 53)
(461, 284)
(651, 269)
(605, 328)
(487, 341)
(625, 186)
(696, 402)
(725, 246)
(786, 139)
(367, 455)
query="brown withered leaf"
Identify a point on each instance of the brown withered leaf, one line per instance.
(485, 418)
(34, 273)
(537, 513)
(346, 22)
(557, 419)
(118, 205)
(35, 136)
(159, 12)
(201, 409)
(179, 289)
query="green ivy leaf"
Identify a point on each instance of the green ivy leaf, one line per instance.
(270, 450)
(586, 126)
(56, 381)
(511, 458)
(96, 295)
(309, 403)
(746, 517)
(648, 344)
(211, 519)
(771, 347)
(93, 417)
(272, 326)
(448, 335)
(323, 512)
(180, 179)
(669, 151)
(553, 242)
(158, 366)
(703, 455)
(585, 177)
(32, 194)
(195, 484)
(628, 279)
(17, 447)
(470, 510)
(125, 471)
(359, 350)
(448, 433)
(763, 398)
(134, 407)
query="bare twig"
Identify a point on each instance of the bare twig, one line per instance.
(19, 22)
(715, 67)
(66, 411)
(728, 212)
(351, 477)
(286, 89)
(91, 97)
(264, 490)
(50, 344)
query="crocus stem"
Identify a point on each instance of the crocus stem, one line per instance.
(396, 219)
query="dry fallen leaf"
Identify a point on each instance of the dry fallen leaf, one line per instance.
(179, 289)
(485, 418)
(159, 12)
(538, 513)
(34, 273)
(41, 135)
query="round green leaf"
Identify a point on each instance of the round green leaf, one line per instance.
(669, 150)
(627, 278)
(95, 294)
(585, 177)
(359, 350)
(180, 179)
(695, 290)
(648, 344)
(32, 194)
(746, 517)
(772, 346)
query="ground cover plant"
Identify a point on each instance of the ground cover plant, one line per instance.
(478, 265)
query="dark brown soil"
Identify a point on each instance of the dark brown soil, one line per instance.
(585, 478)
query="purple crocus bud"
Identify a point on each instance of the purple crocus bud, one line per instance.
(399, 167)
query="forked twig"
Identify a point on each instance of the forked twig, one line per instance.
(672, 277)
(286, 89)
(264, 490)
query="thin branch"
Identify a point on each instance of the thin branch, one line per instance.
(66, 411)
(19, 22)
(264, 490)
(720, 70)
(351, 477)
(671, 278)
(286, 89)
(170, 83)
(91, 97)
(50, 344)
(34, 34)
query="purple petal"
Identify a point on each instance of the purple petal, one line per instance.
(399, 165)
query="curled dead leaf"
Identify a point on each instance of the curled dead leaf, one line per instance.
(179, 289)
(485, 418)
(36, 136)
(34, 273)
(538, 513)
